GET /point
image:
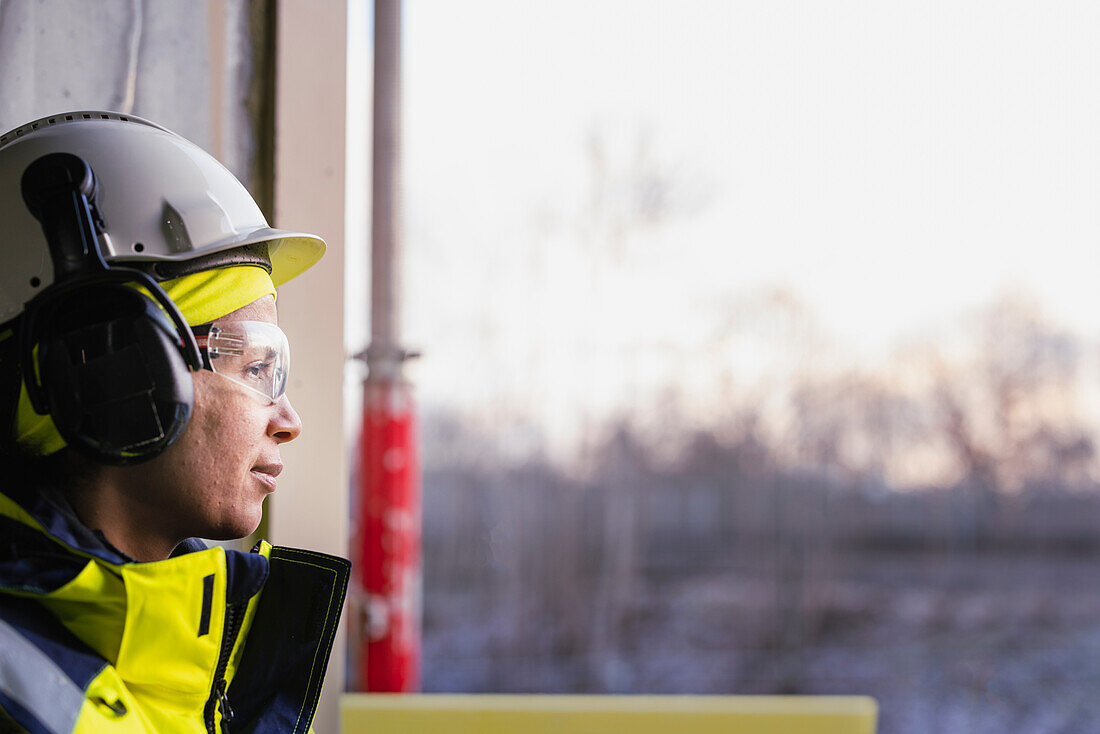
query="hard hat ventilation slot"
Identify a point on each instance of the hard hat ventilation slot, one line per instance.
(10, 135)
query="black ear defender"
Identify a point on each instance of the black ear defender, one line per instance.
(108, 364)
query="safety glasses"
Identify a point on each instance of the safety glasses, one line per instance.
(254, 354)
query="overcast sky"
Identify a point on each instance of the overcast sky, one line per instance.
(891, 163)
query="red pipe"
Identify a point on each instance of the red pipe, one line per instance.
(389, 570)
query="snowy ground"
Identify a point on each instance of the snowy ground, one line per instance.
(946, 642)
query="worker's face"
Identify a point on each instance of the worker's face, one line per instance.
(213, 481)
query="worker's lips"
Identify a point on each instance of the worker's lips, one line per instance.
(267, 474)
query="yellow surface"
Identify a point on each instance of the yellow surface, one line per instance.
(364, 713)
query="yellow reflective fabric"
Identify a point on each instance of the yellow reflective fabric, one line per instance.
(109, 708)
(164, 607)
(93, 607)
(14, 511)
(144, 619)
(164, 668)
(35, 433)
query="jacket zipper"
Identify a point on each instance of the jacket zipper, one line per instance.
(218, 695)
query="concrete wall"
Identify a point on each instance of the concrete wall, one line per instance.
(185, 65)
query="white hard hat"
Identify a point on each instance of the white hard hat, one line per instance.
(165, 202)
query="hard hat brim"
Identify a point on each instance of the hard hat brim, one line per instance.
(292, 253)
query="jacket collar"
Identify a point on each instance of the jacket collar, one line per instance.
(53, 513)
(42, 526)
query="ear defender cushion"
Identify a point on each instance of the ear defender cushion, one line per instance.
(116, 381)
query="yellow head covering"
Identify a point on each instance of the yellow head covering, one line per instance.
(201, 297)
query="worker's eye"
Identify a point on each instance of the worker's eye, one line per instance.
(258, 371)
(251, 353)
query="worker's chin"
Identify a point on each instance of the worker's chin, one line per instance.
(236, 526)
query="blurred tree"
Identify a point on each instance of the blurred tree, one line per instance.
(1008, 406)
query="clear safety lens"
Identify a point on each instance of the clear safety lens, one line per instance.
(254, 354)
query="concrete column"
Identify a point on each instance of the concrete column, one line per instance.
(310, 508)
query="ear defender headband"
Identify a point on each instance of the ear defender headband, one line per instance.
(110, 365)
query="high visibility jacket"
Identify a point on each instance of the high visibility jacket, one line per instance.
(93, 642)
